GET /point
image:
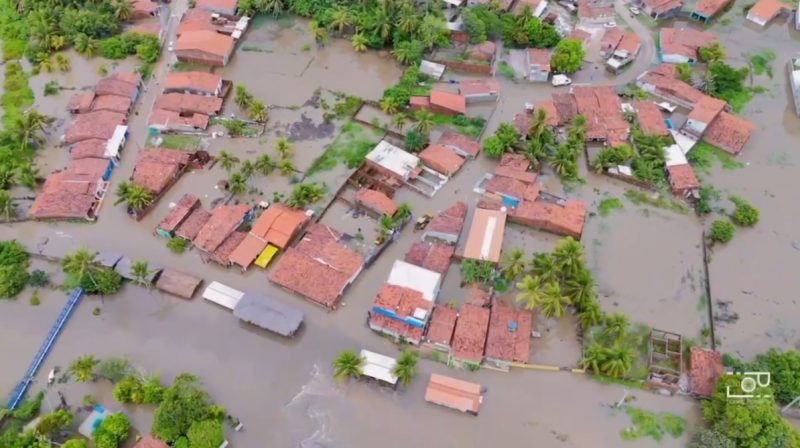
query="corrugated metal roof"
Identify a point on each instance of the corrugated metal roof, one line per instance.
(268, 313)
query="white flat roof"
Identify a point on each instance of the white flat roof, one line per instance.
(378, 366)
(222, 295)
(114, 144)
(675, 156)
(686, 143)
(393, 159)
(414, 277)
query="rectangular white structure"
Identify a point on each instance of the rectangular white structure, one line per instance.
(222, 295)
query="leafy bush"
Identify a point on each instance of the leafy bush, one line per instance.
(114, 369)
(112, 431)
(177, 245)
(39, 278)
(784, 368)
(183, 404)
(721, 231)
(415, 141)
(744, 214)
(568, 56)
(52, 423)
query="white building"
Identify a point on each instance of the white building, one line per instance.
(393, 159)
(379, 367)
(222, 295)
(414, 277)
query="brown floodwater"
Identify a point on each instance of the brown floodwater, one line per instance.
(647, 263)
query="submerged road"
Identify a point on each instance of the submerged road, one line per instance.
(647, 54)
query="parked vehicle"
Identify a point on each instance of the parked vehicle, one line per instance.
(561, 80)
(611, 24)
(634, 10)
(423, 221)
(171, 46)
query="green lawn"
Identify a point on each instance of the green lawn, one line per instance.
(176, 141)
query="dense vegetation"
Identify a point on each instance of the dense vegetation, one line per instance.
(568, 56)
(521, 30)
(186, 411)
(14, 261)
(784, 368)
(82, 269)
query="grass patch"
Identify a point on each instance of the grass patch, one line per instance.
(471, 127)
(702, 157)
(648, 424)
(13, 49)
(608, 205)
(284, 20)
(507, 71)
(350, 147)
(421, 90)
(176, 141)
(762, 63)
(659, 201)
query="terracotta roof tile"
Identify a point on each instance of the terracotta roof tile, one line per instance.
(188, 103)
(113, 103)
(450, 221)
(729, 132)
(408, 332)
(149, 441)
(91, 148)
(539, 58)
(469, 338)
(684, 41)
(649, 117)
(479, 87)
(682, 178)
(505, 343)
(706, 109)
(706, 368)
(195, 81)
(442, 159)
(460, 142)
(400, 300)
(223, 252)
(766, 10)
(168, 119)
(119, 83)
(206, 41)
(224, 220)
(156, 168)
(432, 256)
(179, 213)
(442, 325)
(278, 224)
(191, 226)
(376, 201)
(662, 6)
(566, 219)
(81, 102)
(709, 8)
(100, 124)
(449, 101)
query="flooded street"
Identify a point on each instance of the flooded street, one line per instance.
(647, 263)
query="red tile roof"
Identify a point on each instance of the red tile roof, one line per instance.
(649, 118)
(682, 178)
(506, 186)
(376, 201)
(81, 102)
(442, 324)
(603, 112)
(461, 142)
(222, 254)
(402, 301)
(100, 124)
(469, 338)
(563, 220)
(709, 8)
(449, 101)
(224, 220)
(179, 213)
(706, 109)
(488, 86)
(247, 251)
(214, 5)
(706, 368)
(630, 43)
(119, 83)
(196, 19)
(729, 132)
(421, 102)
(684, 41)
(451, 220)
(594, 11)
(515, 166)
(278, 224)
(667, 85)
(173, 120)
(442, 159)
(190, 226)
(196, 81)
(580, 35)
(766, 10)
(484, 51)
(454, 393)
(610, 40)
(113, 103)
(539, 58)
(206, 41)
(662, 6)
(408, 332)
(149, 441)
(319, 267)
(432, 256)
(506, 344)
(91, 148)
(566, 106)
(188, 103)
(156, 168)
(65, 196)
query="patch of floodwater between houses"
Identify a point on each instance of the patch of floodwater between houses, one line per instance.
(310, 411)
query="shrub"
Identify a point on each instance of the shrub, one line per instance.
(39, 278)
(112, 431)
(415, 141)
(744, 214)
(35, 300)
(114, 369)
(721, 231)
(177, 245)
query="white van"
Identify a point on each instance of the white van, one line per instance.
(561, 80)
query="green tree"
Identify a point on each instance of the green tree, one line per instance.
(590, 315)
(424, 121)
(104, 282)
(319, 32)
(543, 266)
(415, 141)
(722, 231)
(129, 390)
(28, 128)
(712, 53)
(62, 63)
(340, 19)
(568, 257)
(347, 364)
(227, 160)
(112, 431)
(744, 214)
(135, 197)
(568, 56)
(206, 434)
(83, 368)
(286, 167)
(237, 184)
(359, 42)
(258, 111)
(114, 369)
(684, 71)
(152, 389)
(563, 162)
(80, 263)
(580, 288)
(75, 443)
(247, 169)
(530, 292)
(264, 164)
(52, 423)
(708, 438)
(177, 245)
(553, 302)
(408, 52)
(593, 357)
(141, 273)
(403, 212)
(29, 176)
(783, 368)
(304, 194)
(512, 264)
(618, 361)
(406, 367)
(7, 208)
(242, 97)
(493, 147)
(183, 403)
(284, 148)
(616, 326)
(399, 121)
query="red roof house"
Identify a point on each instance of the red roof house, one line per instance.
(441, 326)
(432, 256)
(442, 159)
(460, 143)
(729, 133)
(183, 208)
(649, 118)
(448, 224)
(224, 220)
(706, 368)
(509, 336)
(376, 201)
(400, 312)
(469, 338)
(447, 103)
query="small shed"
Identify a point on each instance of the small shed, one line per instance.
(432, 69)
(268, 313)
(379, 367)
(454, 393)
(222, 295)
(178, 283)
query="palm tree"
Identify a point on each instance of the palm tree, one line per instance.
(79, 263)
(593, 357)
(46, 64)
(6, 205)
(123, 10)
(616, 325)
(141, 273)
(29, 125)
(7, 177)
(398, 120)
(404, 53)
(562, 160)
(512, 265)
(135, 197)
(264, 164)
(424, 121)
(320, 34)
(227, 160)
(618, 361)
(538, 125)
(286, 167)
(57, 42)
(591, 315)
(542, 266)
(385, 225)
(359, 42)
(388, 105)
(406, 367)
(347, 364)
(530, 292)
(247, 169)
(243, 98)
(258, 111)
(408, 20)
(340, 19)
(83, 368)
(272, 6)
(28, 175)
(580, 288)
(568, 257)
(284, 148)
(382, 23)
(554, 303)
(80, 42)
(403, 211)
(237, 184)
(62, 62)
